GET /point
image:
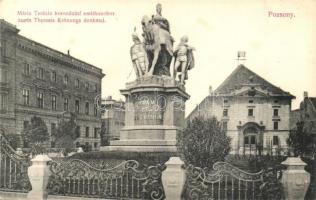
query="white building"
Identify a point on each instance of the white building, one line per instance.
(253, 112)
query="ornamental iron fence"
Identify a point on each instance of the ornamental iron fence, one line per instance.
(225, 181)
(128, 180)
(13, 168)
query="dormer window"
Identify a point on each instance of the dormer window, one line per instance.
(251, 79)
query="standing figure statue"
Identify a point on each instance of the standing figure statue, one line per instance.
(158, 43)
(159, 19)
(184, 60)
(139, 57)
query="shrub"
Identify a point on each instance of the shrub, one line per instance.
(203, 142)
(36, 132)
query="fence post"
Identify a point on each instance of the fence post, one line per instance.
(38, 174)
(173, 178)
(295, 180)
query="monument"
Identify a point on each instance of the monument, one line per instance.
(155, 101)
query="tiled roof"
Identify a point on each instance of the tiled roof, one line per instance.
(243, 76)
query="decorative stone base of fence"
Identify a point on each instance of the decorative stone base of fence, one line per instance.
(295, 179)
(38, 174)
(173, 178)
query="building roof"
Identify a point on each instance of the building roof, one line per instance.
(242, 76)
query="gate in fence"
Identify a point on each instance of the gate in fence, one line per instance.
(228, 182)
(127, 180)
(13, 168)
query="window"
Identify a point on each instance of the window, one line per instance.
(25, 125)
(225, 112)
(250, 140)
(40, 73)
(246, 140)
(87, 108)
(66, 79)
(53, 102)
(275, 140)
(253, 139)
(86, 86)
(2, 48)
(77, 107)
(3, 75)
(225, 101)
(52, 129)
(52, 144)
(96, 131)
(26, 96)
(54, 77)
(275, 112)
(66, 104)
(250, 112)
(95, 110)
(275, 125)
(95, 145)
(40, 100)
(77, 83)
(78, 131)
(224, 126)
(87, 132)
(26, 70)
(95, 87)
(250, 101)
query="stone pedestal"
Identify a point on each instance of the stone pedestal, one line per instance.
(38, 174)
(154, 114)
(295, 179)
(173, 178)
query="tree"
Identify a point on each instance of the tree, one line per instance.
(303, 143)
(203, 142)
(105, 140)
(67, 132)
(36, 132)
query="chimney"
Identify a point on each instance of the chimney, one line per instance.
(68, 52)
(305, 94)
(210, 90)
(241, 57)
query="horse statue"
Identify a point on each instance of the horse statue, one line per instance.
(159, 47)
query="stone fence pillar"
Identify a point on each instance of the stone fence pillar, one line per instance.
(295, 180)
(38, 174)
(173, 178)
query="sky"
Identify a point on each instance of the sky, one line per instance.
(280, 49)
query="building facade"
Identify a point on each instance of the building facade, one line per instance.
(254, 113)
(38, 80)
(113, 117)
(306, 113)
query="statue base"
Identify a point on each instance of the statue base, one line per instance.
(154, 115)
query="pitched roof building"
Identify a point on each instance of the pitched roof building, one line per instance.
(306, 113)
(253, 112)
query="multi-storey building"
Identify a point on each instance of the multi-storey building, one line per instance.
(113, 117)
(253, 112)
(38, 80)
(306, 113)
